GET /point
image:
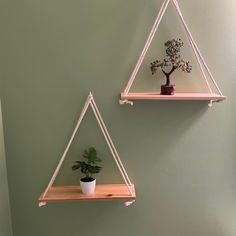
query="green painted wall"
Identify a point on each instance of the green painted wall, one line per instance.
(180, 155)
(5, 212)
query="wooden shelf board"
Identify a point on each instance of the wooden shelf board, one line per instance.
(102, 192)
(176, 96)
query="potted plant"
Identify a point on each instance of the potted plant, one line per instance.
(88, 168)
(171, 63)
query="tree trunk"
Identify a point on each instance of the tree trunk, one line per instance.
(168, 75)
(167, 80)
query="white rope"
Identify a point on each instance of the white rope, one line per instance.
(200, 65)
(200, 60)
(111, 146)
(110, 140)
(192, 43)
(147, 45)
(108, 143)
(149, 40)
(69, 144)
(199, 55)
(90, 101)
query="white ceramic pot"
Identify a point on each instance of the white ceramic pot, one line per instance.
(88, 187)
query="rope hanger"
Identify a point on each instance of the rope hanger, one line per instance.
(200, 60)
(91, 102)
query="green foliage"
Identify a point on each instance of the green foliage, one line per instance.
(88, 167)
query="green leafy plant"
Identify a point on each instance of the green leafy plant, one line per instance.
(89, 166)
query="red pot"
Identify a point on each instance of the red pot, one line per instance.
(167, 89)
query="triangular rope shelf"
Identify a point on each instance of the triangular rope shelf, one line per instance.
(124, 192)
(128, 97)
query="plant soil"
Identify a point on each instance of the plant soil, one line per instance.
(87, 179)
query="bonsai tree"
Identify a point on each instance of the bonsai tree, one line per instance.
(89, 166)
(171, 63)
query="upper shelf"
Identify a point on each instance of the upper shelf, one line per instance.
(102, 192)
(177, 96)
(214, 94)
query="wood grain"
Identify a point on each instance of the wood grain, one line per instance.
(102, 192)
(176, 96)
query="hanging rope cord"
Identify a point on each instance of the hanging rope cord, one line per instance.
(90, 101)
(149, 40)
(112, 148)
(199, 57)
(193, 43)
(68, 145)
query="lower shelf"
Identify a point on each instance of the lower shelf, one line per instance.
(176, 96)
(102, 192)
